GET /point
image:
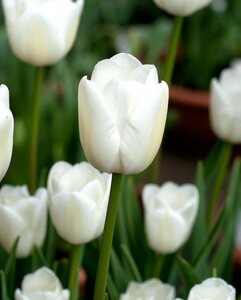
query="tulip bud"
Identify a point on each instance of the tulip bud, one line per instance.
(79, 197)
(122, 114)
(225, 105)
(213, 289)
(42, 284)
(23, 216)
(182, 7)
(170, 211)
(42, 32)
(152, 289)
(6, 131)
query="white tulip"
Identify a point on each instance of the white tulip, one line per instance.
(152, 289)
(41, 32)
(24, 216)
(225, 105)
(43, 284)
(212, 289)
(6, 131)
(182, 7)
(79, 197)
(170, 211)
(122, 114)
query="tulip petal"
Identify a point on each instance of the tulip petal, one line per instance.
(181, 7)
(212, 288)
(144, 127)
(98, 133)
(78, 213)
(11, 227)
(41, 280)
(166, 231)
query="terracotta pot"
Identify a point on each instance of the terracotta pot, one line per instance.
(191, 131)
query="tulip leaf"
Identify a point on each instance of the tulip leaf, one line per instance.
(222, 164)
(223, 254)
(111, 288)
(188, 273)
(11, 265)
(211, 236)
(210, 163)
(120, 276)
(38, 258)
(4, 295)
(131, 265)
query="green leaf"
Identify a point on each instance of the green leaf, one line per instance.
(211, 237)
(188, 273)
(4, 295)
(131, 265)
(111, 288)
(10, 267)
(222, 259)
(120, 276)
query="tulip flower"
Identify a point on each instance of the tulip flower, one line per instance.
(6, 131)
(122, 114)
(212, 289)
(23, 216)
(152, 289)
(170, 211)
(182, 7)
(79, 197)
(225, 105)
(42, 284)
(41, 32)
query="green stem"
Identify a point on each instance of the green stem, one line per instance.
(167, 76)
(76, 258)
(172, 51)
(105, 251)
(158, 266)
(34, 127)
(223, 162)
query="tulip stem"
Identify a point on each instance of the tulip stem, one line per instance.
(76, 258)
(34, 127)
(223, 162)
(158, 266)
(167, 76)
(172, 51)
(105, 251)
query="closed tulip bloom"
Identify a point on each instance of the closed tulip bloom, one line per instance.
(212, 289)
(122, 114)
(225, 105)
(6, 131)
(170, 211)
(79, 197)
(43, 284)
(152, 289)
(41, 32)
(23, 216)
(182, 7)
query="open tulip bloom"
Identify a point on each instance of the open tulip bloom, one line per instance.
(122, 114)
(79, 197)
(182, 7)
(6, 131)
(42, 32)
(152, 289)
(170, 212)
(23, 216)
(212, 289)
(43, 284)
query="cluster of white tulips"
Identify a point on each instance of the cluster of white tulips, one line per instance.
(122, 113)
